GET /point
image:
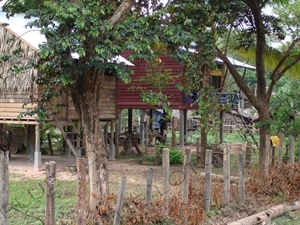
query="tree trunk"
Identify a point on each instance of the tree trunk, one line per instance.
(262, 150)
(87, 100)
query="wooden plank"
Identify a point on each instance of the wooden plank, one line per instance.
(15, 105)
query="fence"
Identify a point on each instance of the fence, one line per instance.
(173, 183)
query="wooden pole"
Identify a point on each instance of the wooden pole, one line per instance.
(50, 193)
(280, 149)
(149, 189)
(264, 216)
(222, 126)
(226, 173)
(198, 158)
(166, 184)
(111, 140)
(173, 140)
(181, 128)
(241, 168)
(208, 175)
(81, 191)
(273, 156)
(186, 174)
(248, 154)
(118, 213)
(147, 137)
(142, 127)
(291, 150)
(4, 187)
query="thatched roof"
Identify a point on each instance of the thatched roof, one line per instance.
(13, 37)
(16, 36)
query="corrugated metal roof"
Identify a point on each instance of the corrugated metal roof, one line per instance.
(237, 63)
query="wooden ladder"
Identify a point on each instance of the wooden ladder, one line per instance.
(69, 136)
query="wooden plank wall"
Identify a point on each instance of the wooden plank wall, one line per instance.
(11, 104)
(108, 101)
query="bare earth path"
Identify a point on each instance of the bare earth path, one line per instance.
(20, 166)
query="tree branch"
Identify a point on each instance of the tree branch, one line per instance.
(241, 83)
(121, 13)
(284, 57)
(279, 74)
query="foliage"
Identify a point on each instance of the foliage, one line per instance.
(56, 138)
(285, 107)
(135, 211)
(175, 156)
(275, 187)
(209, 105)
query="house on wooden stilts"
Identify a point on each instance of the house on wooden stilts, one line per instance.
(179, 99)
(16, 89)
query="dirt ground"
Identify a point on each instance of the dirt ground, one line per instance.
(20, 166)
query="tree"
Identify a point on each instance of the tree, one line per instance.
(207, 21)
(97, 31)
(258, 25)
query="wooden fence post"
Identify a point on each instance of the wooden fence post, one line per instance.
(118, 213)
(241, 167)
(280, 149)
(186, 175)
(4, 186)
(50, 193)
(166, 184)
(149, 189)
(248, 154)
(226, 173)
(208, 175)
(81, 191)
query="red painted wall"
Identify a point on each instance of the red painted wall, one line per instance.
(128, 99)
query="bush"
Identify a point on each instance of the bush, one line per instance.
(175, 156)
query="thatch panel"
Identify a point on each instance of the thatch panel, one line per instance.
(13, 81)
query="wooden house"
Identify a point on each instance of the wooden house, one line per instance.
(128, 98)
